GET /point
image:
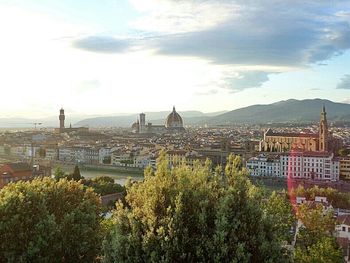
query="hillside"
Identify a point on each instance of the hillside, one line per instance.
(284, 111)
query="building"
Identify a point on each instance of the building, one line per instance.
(173, 124)
(283, 142)
(310, 165)
(63, 129)
(342, 233)
(264, 166)
(13, 172)
(344, 163)
(297, 165)
(20, 171)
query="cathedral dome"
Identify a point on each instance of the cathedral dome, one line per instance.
(174, 120)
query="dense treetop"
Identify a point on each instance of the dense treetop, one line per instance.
(190, 214)
(48, 221)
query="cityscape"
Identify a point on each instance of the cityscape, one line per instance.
(175, 131)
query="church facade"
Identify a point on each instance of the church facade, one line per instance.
(173, 124)
(322, 141)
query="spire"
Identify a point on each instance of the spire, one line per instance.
(174, 108)
(324, 108)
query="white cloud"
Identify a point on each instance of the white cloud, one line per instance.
(182, 16)
(344, 82)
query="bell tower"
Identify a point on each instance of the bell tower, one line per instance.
(62, 117)
(323, 132)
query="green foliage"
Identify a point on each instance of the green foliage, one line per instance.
(48, 221)
(336, 198)
(104, 185)
(76, 176)
(325, 250)
(107, 160)
(315, 242)
(185, 214)
(344, 152)
(317, 224)
(127, 162)
(59, 173)
(280, 210)
(42, 152)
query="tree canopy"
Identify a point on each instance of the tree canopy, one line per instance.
(49, 221)
(336, 198)
(190, 214)
(315, 242)
(103, 185)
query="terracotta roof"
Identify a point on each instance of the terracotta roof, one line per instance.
(344, 219)
(17, 167)
(269, 132)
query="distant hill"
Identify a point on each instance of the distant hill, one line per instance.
(284, 111)
(287, 111)
(189, 117)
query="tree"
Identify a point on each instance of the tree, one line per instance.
(48, 221)
(315, 242)
(344, 152)
(59, 173)
(280, 210)
(104, 185)
(42, 152)
(324, 250)
(76, 176)
(190, 214)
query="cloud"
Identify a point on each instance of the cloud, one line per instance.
(182, 16)
(245, 80)
(346, 101)
(236, 33)
(87, 85)
(208, 92)
(102, 44)
(344, 82)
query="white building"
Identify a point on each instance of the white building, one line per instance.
(120, 158)
(91, 155)
(262, 165)
(66, 154)
(51, 154)
(303, 165)
(103, 153)
(343, 226)
(310, 165)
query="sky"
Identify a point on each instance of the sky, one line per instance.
(126, 56)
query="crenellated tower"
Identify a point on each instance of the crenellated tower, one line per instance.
(62, 117)
(323, 131)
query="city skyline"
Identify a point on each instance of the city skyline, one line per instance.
(137, 55)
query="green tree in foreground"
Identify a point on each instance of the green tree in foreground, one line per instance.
(325, 250)
(189, 214)
(279, 209)
(48, 221)
(315, 242)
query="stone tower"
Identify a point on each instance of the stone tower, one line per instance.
(62, 117)
(142, 125)
(323, 132)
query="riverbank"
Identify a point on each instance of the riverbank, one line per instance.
(120, 176)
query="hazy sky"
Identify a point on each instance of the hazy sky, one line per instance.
(110, 56)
